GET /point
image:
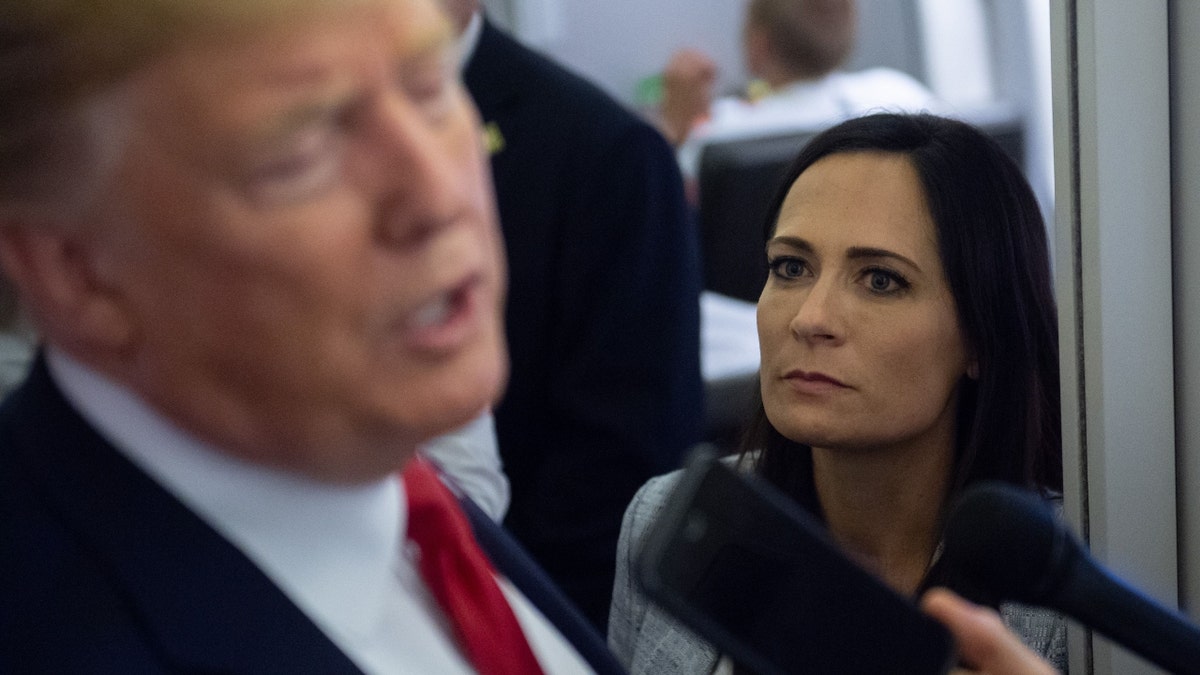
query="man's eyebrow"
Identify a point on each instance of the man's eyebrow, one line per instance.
(430, 42)
(433, 39)
(293, 119)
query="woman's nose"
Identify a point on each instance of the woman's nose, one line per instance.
(818, 316)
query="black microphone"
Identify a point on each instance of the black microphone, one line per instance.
(1009, 542)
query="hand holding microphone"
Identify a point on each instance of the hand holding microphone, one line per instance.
(984, 643)
(1007, 541)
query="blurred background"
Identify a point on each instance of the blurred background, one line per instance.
(984, 57)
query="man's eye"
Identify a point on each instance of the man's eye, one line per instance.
(298, 170)
(429, 86)
(432, 86)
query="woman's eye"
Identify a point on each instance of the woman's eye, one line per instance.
(882, 281)
(788, 268)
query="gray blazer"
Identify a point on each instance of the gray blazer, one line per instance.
(647, 640)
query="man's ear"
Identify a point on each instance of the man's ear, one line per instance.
(53, 267)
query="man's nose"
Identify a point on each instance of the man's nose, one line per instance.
(421, 171)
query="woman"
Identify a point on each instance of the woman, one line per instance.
(909, 349)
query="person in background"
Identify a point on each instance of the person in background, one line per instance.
(793, 49)
(16, 341)
(603, 306)
(909, 349)
(258, 243)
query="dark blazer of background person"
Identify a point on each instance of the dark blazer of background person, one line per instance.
(603, 316)
(105, 569)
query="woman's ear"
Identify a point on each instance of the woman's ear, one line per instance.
(52, 266)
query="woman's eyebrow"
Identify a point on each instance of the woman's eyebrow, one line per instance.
(859, 252)
(853, 253)
(793, 242)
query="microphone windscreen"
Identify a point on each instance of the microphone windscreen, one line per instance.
(1008, 541)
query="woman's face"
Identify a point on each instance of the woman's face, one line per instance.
(860, 341)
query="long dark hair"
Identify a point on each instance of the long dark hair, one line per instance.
(992, 243)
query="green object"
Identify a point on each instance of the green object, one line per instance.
(757, 89)
(649, 91)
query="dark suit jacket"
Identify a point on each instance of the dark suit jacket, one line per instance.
(101, 570)
(603, 311)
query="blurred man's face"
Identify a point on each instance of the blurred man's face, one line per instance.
(460, 12)
(302, 233)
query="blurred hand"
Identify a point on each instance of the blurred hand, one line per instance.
(984, 642)
(687, 93)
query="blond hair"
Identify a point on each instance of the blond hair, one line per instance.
(55, 53)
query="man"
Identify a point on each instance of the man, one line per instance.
(603, 313)
(258, 242)
(793, 49)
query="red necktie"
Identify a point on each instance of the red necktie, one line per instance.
(461, 578)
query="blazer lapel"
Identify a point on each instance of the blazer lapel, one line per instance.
(204, 603)
(666, 647)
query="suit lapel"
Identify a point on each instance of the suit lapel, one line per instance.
(490, 83)
(204, 604)
(487, 76)
(514, 563)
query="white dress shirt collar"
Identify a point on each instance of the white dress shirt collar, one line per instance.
(338, 552)
(469, 40)
(330, 548)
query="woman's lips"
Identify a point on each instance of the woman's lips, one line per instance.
(813, 382)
